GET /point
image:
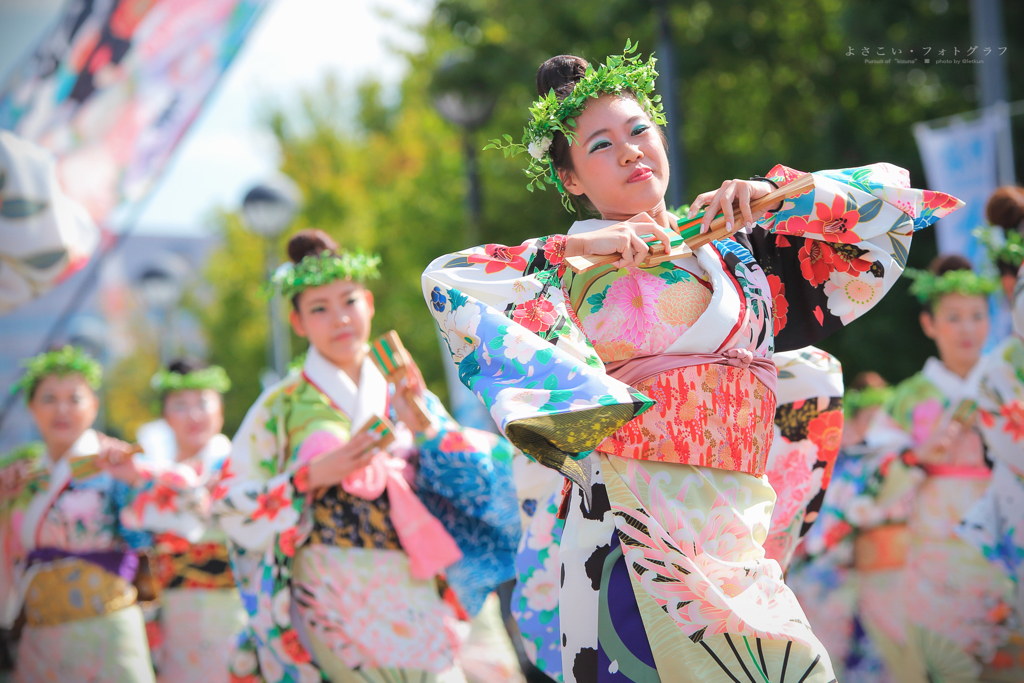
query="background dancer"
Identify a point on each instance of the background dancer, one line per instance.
(68, 562)
(200, 611)
(338, 558)
(960, 601)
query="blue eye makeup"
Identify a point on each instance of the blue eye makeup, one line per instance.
(639, 128)
(600, 144)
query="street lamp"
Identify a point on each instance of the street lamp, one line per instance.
(268, 209)
(468, 107)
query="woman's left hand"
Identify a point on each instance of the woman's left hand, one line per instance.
(408, 392)
(725, 199)
(116, 457)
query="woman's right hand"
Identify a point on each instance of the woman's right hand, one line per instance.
(936, 447)
(13, 479)
(333, 466)
(622, 238)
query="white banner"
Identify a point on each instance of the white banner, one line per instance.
(961, 159)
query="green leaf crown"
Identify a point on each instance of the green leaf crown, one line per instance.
(66, 361)
(620, 73)
(1008, 249)
(323, 269)
(856, 400)
(212, 377)
(929, 288)
(29, 452)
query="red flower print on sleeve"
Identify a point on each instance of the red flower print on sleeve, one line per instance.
(1014, 414)
(286, 541)
(780, 307)
(833, 222)
(850, 259)
(270, 503)
(291, 645)
(826, 432)
(300, 480)
(164, 498)
(554, 249)
(500, 257)
(816, 259)
(938, 200)
(535, 315)
(784, 175)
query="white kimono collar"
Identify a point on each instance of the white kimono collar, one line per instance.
(358, 403)
(86, 444)
(953, 386)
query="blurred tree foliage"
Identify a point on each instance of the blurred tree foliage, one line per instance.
(760, 83)
(235, 317)
(127, 397)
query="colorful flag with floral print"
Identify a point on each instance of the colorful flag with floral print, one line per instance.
(114, 86)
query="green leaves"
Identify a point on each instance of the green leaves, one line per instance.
(549, 116)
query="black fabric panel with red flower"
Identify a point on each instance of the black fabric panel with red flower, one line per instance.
(797, 269)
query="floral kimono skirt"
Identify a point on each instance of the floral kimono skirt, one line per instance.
(110, 648)
(663, 578)
(367, 619)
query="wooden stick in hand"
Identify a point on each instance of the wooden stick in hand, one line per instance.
(718, 230)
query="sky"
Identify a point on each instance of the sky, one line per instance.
(227, 150)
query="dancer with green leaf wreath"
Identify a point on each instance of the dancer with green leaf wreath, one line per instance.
(651, 389)
(200, 611)
(958, 604)
(356, 562)
(995, 524)
(71, 535)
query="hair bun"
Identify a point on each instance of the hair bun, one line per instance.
(310, 242)
(945, 263)
(184, 366)
(560, 74)
(1005, 207)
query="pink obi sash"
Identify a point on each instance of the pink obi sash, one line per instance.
(713, 410)
(957, 471)
(424, 539)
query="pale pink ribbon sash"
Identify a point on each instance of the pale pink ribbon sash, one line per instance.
(958, 471)
(634, 370)
(425, 540)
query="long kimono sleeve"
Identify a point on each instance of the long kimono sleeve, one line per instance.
(257, 501)
(832, 253)
(170, 498)
(465, 480)
(502, 314)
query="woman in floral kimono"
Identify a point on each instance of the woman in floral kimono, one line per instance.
(200, 611)
(961, 602)
(651, 388)
(343, 551)
(850, 577)
(995, 524)
(67, 562)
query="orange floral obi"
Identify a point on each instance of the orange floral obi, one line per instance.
(710, 415)
(883, 547)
